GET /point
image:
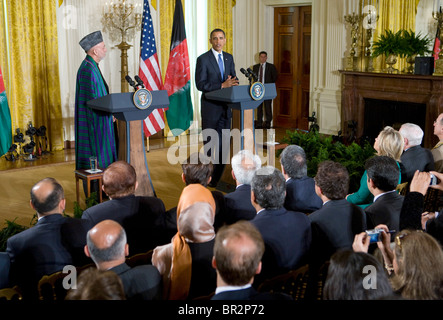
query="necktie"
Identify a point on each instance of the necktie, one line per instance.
(220, 66)
(260, 75)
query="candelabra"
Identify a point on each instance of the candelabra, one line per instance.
(120, 20)
(439, 63)
(371, 21)
(354, 21)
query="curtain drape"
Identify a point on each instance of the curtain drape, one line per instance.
(394, 15)
(32, 79)
(220, 16)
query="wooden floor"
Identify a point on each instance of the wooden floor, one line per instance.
(68, 155)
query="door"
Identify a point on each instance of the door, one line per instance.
(292, 52)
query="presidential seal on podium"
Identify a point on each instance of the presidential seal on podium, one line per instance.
(142, 98)
(257, 91)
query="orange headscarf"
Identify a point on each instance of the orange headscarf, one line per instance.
(195, 219)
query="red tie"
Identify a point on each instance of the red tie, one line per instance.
(260, 75)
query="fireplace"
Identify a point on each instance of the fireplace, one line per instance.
(372, 100)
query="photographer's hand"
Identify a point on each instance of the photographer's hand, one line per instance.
(420, 182)
(361, 242)
(439, 185)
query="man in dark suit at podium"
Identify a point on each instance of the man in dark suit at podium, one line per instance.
(215, 70)
(267, 73)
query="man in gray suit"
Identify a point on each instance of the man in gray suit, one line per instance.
(106, 245)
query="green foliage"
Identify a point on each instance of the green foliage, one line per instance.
(90, 201)
(8, 231)
(319, 148)
(416, 44)
(403, 43)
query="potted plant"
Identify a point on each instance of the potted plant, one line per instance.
(415, 45)
(391, 45)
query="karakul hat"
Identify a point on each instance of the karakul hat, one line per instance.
(91, 40)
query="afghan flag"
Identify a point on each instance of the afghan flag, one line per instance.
(178, 77)
(5, 120)
(436, 46)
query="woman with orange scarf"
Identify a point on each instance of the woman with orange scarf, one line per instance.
(185, 263)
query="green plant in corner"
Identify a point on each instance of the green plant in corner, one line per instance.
(416, 44)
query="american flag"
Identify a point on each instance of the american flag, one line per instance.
(149, 71)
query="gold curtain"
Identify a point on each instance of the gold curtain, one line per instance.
(33, 76)
(394, 15)
(220, 16)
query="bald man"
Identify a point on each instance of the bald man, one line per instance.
(39, 251)
(106, 245)
(238, 251)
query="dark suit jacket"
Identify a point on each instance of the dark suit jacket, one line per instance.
(141, 282)
(287, 237)
(141, 217)
(385, 210)
(301, 196)
(5, 264)
(207, 79)
(271, 74)
(74, 239)
(36, 252)
(413, 159)
(334, 227)
(250, 294)
(204, 276)
(238, 205)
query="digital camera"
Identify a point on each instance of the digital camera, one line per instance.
(374, 235)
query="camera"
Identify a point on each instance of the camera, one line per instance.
(374, 235)
(434, 180)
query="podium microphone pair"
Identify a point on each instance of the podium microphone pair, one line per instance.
(133, 84)
(249, 74)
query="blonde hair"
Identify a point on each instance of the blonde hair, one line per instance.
(390, 143)
(420, 266)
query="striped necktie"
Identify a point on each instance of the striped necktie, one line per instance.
(220, 66)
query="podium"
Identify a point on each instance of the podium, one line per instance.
(131, 142)
(239, 99)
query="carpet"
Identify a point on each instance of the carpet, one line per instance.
(16, 185)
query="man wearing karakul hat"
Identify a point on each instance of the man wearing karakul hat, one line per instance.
(94, 130)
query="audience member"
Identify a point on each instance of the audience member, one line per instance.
(338, 221)
(414, 157)
(186, 263)
(415, 263)
(382, 172)
(388, 143)
(39, 251)
(437, 151)
(140, 216)
(287, 234)
(197, 169)
(238, 251)
(238, 203)
(107, 246)
(356, 276)
(300, 189)
(95, 284)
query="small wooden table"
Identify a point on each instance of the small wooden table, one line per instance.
(88, 177)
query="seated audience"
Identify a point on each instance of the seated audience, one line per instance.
(197, 169)
(140, 216)
(414, 157)
(287, 234)
(388, 143)
(335, 225)
(437, 151)
(238, 251)
(382, 172)
(39, 251)
(238, 203)
(300, 189)
(107, 246)
(95, 284)
(356, 276)
(185, 264)
(415, 263)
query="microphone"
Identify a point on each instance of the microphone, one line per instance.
(253, 74)
(139, 81)
(246, 73)
(131, 82)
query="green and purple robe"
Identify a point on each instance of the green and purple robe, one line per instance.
(94, 130)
